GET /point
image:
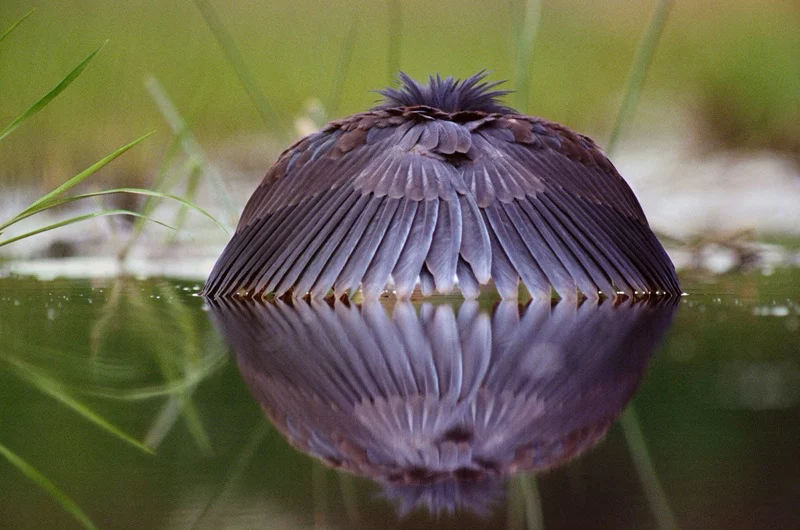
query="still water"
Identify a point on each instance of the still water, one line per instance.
(150, 408)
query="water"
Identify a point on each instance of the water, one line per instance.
(125, 395)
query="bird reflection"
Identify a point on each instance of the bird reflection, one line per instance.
(440, 403)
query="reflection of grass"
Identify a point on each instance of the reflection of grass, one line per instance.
(523, 503)
(235, 472)
(53, 388)
(176, 347)
(46, 485)
(656, 497)
(172, 343)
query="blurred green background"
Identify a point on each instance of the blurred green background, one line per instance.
(730, 67)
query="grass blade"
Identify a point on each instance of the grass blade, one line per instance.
(192, 183)
(45, 484)
(395, 39)
(151, 202)
(641, 63)
(54, 389)
(262, 104)
(343, 66)
(527, 36)
(190, 145)
(74, 181)
(39, 105)
(132, 191)
(78, 219)
(7, 32)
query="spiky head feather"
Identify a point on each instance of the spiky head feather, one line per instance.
(448, 95)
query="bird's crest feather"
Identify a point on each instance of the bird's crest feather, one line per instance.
(448, 95)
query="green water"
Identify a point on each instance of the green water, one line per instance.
(126, 397)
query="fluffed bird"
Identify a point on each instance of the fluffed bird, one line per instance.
(443, 186)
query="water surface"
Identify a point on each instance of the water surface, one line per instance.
(152, 409)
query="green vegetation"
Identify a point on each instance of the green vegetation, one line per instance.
(732, 65)
(56, 197)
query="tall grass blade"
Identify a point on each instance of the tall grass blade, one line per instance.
(225, 40)
(45, 484)
(78, 219)
(531, 18)
(395, 39)
(641, 63)
(151, 202)
(192, 148)
(132, 191)
(192, 184)
(54, 389)
(7, 32)
(343, 66)
(42, 103)
(656, 498)
(71, 183)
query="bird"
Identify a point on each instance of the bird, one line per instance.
(442, 186)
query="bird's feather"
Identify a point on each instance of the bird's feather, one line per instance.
(439, 183)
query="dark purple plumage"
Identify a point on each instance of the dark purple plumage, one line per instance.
(434, 402)
(448, 95)
(443, 184)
